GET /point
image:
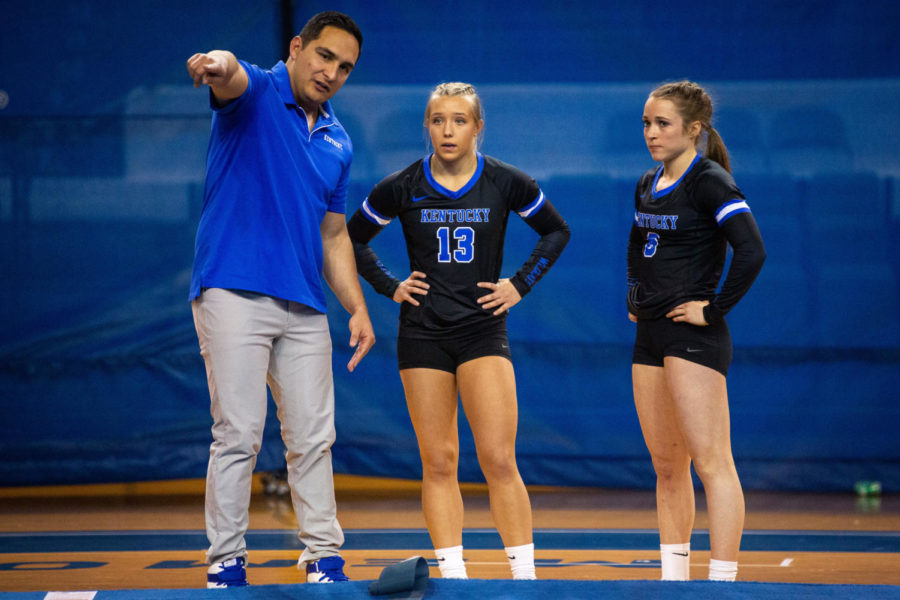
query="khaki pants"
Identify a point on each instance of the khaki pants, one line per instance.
(248, 340)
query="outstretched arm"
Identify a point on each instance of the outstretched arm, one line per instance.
(340, 273)
(221, 71)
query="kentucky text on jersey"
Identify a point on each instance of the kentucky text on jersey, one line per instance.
(468, 215)
(649, 221)
(542, 264)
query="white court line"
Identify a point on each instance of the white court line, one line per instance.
(784, 563)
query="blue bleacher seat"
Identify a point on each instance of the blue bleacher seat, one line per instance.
(584, 196)
(108, 199)
(741, 130)
(848, 219)
(166, 148)
(856, 306)
(598, 210)
(772, 195)
(809, 139)
(575, 304)
(6, 198)
(357, 192)
(779, 209)
(363, 155)
(893, 198)
(624, 151)
(591, 270)
(399, 140)
(776, 311)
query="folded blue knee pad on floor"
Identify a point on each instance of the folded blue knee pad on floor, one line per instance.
(409, 576)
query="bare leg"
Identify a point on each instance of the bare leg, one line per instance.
(487, 387)
(671, 460)
(701, 400)
(432, 402)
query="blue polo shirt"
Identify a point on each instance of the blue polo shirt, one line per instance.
(269, 183)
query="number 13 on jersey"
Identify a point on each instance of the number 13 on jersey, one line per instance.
(464, 238)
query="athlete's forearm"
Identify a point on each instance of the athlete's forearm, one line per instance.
(555, 234)
(361, 232)
(749, 256)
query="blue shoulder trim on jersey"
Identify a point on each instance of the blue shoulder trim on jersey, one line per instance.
(533, 207)
(671, 187)
(373, 215)
(731, 208)
(458, 193)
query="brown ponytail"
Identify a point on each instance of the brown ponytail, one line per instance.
(694, 104)
(715, 148)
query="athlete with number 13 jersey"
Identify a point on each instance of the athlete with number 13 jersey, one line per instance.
(456, 238)
(452, 344)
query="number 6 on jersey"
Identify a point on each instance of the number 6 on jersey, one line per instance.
(652, 243)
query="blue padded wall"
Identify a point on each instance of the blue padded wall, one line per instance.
(101, 176)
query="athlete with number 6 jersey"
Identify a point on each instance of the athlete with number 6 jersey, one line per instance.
(453, 206)
(687, 210)
(678, 241)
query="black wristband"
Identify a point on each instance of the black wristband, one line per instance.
(712, 315)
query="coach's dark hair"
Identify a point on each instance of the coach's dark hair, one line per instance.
(694, 104)
(330, 18)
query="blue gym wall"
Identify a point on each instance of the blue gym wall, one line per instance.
(102, 153)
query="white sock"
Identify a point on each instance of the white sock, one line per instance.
(450, 562)
(722, 570)
(521, 561)
(676, 561)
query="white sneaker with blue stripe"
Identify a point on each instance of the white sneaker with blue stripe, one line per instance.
(229, 573)
(326, 570)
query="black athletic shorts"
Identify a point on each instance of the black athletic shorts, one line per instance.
(708, 345)
(447, 353)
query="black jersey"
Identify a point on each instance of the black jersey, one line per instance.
(456, 239)
(679, 238)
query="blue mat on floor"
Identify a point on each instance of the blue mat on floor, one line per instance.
(547, 589)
